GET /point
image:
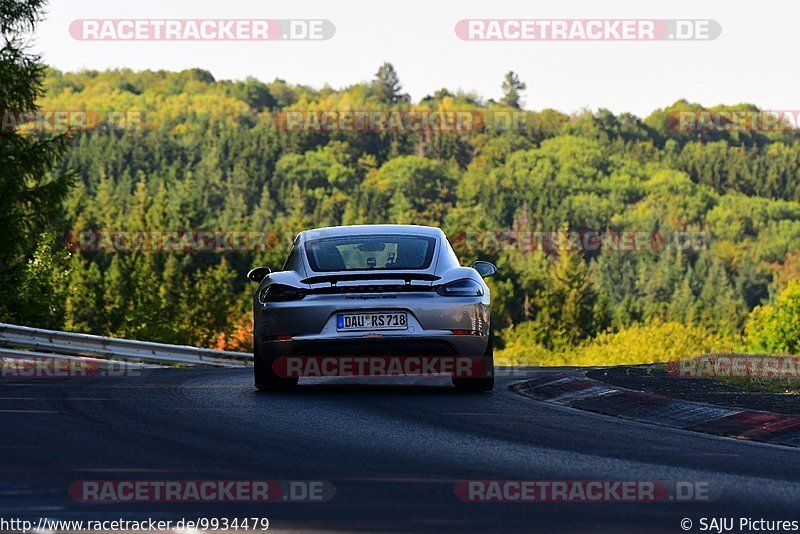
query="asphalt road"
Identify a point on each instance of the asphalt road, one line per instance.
(393, 451)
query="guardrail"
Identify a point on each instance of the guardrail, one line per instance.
(71, 343)
(98, 363)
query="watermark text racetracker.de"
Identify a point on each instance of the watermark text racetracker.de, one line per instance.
(579, 240)
(414, 120)
(201, 491)
(47, 367)
(551, 491)
(176, 241)
(381, 366)
(587, 29)
(698, 121)
(737, 365)
(202, 29)
(65, 120)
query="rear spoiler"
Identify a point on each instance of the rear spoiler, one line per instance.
(334, 278)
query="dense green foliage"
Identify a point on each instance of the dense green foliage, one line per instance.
(775, 328)
(212, 155)
(30, 195)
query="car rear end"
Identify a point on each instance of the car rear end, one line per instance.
(371, 292)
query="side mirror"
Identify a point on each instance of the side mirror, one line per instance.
(258, 274)
(484, 268)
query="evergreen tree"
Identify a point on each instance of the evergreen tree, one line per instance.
(116, 299)
(571, 286)
(84, 306)
(512, 90)
(387, 85)
(43, 285)
(566, 304)
(31, 194)
(214, 289)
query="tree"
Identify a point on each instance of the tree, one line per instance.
(422, 188)
(214, 288)
(775, 328)
(512, 90)
(255, 93)
(30, 194)
(566, 305)
(84, 299)
(116, 296)
(43, 286)
(571, 286)
(721, 309)
(387, 85)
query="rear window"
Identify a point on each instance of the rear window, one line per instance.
(372, 252)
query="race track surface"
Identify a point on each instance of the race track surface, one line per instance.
(394, 450)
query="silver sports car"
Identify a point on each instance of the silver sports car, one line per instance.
(373, 300)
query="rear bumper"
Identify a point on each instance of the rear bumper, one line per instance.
(454, 355)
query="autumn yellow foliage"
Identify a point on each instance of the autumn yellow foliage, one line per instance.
(638, 344)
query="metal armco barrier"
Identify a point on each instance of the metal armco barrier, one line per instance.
(117, 349)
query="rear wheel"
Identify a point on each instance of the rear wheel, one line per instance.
(482, 383)
(264, 375)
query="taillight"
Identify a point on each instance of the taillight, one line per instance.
(461, 288)
(280, 293)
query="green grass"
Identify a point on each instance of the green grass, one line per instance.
(770, 385)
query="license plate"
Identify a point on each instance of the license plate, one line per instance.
(371, 321)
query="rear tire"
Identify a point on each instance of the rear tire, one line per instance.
(265, 377)
(483, 383)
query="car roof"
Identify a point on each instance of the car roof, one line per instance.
(371, 229)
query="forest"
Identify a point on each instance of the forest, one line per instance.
(224, 156)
